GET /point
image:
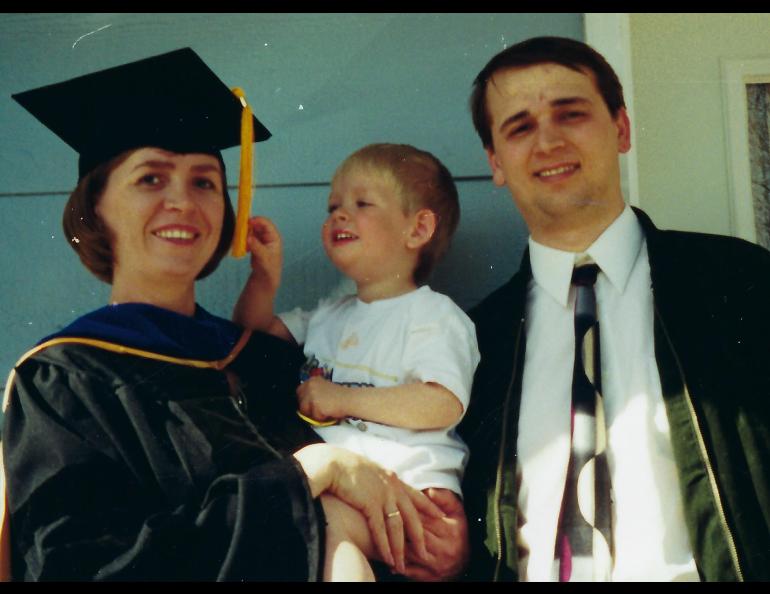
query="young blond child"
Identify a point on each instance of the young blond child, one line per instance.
(389, 369)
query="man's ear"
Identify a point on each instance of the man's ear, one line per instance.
(497, 174)
(424, 223)
(624, 130)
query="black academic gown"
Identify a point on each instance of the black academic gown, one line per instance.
(128, 464)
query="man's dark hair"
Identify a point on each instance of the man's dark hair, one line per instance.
(540, 50)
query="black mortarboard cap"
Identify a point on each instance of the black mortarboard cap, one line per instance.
(172, 101)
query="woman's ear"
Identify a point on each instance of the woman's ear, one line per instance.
(424, 224)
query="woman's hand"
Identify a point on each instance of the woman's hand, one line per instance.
(446, 539)
(392, 509)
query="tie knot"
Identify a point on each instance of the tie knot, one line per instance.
(585, 276)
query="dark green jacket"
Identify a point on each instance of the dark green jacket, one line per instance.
(712, 345)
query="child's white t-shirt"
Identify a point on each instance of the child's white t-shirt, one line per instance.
(421, 336)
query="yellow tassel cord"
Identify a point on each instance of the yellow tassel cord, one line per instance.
(245, 178)
(315, 422)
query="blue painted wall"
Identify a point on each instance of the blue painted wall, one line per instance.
(324, 84)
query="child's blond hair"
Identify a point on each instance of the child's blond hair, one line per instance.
(421, 181)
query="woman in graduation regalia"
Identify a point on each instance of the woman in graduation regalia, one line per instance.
(150, 439)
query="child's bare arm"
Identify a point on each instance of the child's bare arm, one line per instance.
(254, 309)
(420, 405)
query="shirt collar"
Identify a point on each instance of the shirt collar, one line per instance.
(615, 251)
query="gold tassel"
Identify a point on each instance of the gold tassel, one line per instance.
(245, 178)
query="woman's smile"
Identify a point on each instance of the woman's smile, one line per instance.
(177, 234)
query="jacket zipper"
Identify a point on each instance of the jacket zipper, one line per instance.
(501, 455)
(704, 455)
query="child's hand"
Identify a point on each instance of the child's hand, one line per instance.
(264, 243)
(321, 399)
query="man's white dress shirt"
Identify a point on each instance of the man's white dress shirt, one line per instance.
(651, 540)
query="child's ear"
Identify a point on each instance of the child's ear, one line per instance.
(423, 227)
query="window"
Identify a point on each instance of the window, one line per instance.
(747, 126)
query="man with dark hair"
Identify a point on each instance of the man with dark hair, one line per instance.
(641, 452)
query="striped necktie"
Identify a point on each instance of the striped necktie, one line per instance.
(584, 536)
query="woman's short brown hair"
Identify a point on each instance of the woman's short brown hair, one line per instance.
(92, 240)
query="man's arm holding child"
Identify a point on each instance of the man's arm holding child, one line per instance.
(254, 309)
(446, 539)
